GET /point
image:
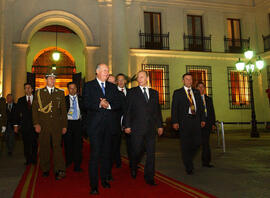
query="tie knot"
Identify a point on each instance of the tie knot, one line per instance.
(144, 88)
(188, 90)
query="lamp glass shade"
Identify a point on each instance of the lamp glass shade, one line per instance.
(259, 64)
(250, 67)
(249, 54)
(240, 65)
(56, 56)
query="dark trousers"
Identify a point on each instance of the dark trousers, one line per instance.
(129, 148)
(73, 143)
(139, 142)
(30, 145)
(100, 153)
(10, 138)
(190, 138)
(206, 152)
(51, 137)
(116, 155)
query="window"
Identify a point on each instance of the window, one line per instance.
(268, 79)
(201, 74)
(239, 92)
(152, 22)
(234, 32)
(195, 27)
(159, 80)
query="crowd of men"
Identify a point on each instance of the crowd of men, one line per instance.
(106, 111)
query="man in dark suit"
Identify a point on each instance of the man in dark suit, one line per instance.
(3, 119)
(188, 117)
(142, 118)
(73, 137)
(11, 121)
(100, 101)
(24, 119)
(121, 85)
(209, 125)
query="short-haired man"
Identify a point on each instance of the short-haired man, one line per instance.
(11, 121)
(24, 119)
(100, 101)
(73, 137)
(50, 121)
(143, 120)
(188, 117)
(209, 125)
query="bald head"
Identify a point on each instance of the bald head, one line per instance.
(102, 72)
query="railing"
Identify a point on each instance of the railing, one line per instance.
(266, 43)
(197, 43)
(236, 45)
(154, 41)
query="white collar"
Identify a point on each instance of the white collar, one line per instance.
(186, 88)
(119, 88)
(49, 88)
(72, 96)
(99, 81)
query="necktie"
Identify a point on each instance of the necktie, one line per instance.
(9, 107)
(29, 102)
(145, 94)
(103, 88)
(204, 105)
(122, 89)
(191, 103)
(75, 112)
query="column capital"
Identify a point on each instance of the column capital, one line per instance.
(21, 46)
(91, 49)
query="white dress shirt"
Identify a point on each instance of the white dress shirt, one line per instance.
(147, 91)
(124, 90)
(31, 98)
(192, 95)
(70, 117)
(50, 89)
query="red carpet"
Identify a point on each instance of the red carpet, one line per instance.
(76, 185)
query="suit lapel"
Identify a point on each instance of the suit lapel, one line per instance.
(99, 88)
(140, 94)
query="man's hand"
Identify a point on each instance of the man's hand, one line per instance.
(202, 124)
(128, 130)
(160, 131)
(37, 128)
(16, 129)
(175, 126)
(64, 130)
(103, 103)
(3, 129)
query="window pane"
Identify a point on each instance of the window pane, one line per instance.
(189, 24)
(147, 22)
(198, 26)
(156, 23)
(229, 24)
(159, 80)
(236, 28)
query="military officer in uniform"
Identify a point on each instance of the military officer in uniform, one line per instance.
(50, 121)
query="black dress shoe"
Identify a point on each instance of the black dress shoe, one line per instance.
(105, 184)
(45, 174)
(60, 175)
(133, 173)
(94, 191)
(208, 165)
(190, 172)
(151, 182)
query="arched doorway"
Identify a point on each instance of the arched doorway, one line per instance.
(42, 62)
(64, 68)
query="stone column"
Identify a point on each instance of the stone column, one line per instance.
(90, 62)
(19, 68)
(119, 38)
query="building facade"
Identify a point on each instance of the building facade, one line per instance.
(167, 38)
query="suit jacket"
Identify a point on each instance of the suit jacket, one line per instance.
(11, 115)
(180, 106)
(58, 112)
(3, 114)
(140, 115)
(96, 115)
(24, 114)
(211, 117)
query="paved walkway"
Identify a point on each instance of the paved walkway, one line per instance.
(242, 172)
